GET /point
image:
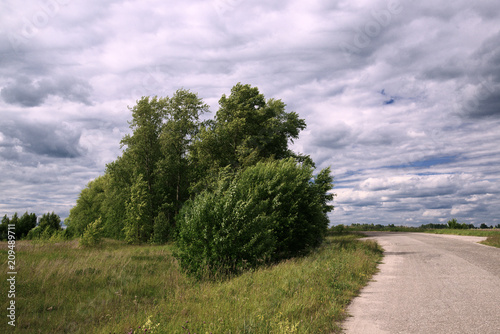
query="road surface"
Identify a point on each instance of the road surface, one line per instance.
(430, 283)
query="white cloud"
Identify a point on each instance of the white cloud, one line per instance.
(408, 118)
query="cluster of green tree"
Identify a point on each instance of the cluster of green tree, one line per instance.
(483, 225)
(229, 182)
(49, 228)
(434, 226)
(22, 224)
(141, 192)
(453, 224)
(26, 227)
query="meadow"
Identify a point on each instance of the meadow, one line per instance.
(493, 235)
(120, 288)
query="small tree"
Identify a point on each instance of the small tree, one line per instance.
(453, 224)
(4, 227)
(25, 224)
(34, 233)
(92, 234)
(137, 227)
(50, 224)
(50, 221)
(162, 229)
(88, 205)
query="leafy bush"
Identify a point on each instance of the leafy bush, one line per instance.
(92, 234)
(453, 224)
(34, 233)
(269, 211)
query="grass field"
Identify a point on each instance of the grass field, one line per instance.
(493, 240)
(493, 235)
(472, 232)
(61, 288)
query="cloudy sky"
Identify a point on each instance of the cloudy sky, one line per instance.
(401, 98)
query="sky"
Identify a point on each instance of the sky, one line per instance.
(401, 98)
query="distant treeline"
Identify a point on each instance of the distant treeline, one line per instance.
(26, 227)
(451, 224)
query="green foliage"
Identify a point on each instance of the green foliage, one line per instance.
(49, 229)
(434, 226)
(162, 229)
(269, 211)
(162, 131)
(3, 227)
(453, 224)
(22, 225)
(34, 234)
(221, 232)
(170, 156)
(92, 235)
(50, 222)
(175, 171)
(56, 236)
(378, 227)
(138, 225)
(25, 224)
(338, 230)
(26, 228)
(144, 149)
(88, 205)
(114, 212)
(246, 129)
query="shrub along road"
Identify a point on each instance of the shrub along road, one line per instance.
(430, 284)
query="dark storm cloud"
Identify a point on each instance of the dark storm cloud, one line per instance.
(40, 139)
(489, 106)
(31, 93)
(482, 98)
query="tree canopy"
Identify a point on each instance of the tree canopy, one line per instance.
(178, 175)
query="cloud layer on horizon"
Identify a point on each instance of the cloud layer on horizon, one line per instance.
(401, 99)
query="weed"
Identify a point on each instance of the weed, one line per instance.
(493, 240)
(119, 288)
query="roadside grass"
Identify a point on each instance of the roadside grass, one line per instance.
(492, 240)
(470, 232)
(493, 235)
(117, 288)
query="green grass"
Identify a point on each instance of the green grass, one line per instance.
(492, 240)
(470, 232)
(61, 288)
(493, 235)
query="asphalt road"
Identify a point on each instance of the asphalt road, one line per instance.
(430, 284)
